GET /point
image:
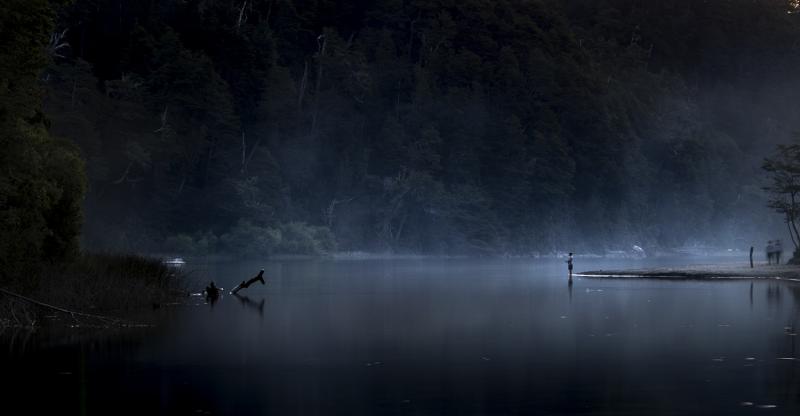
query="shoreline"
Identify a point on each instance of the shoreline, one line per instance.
(781, 272)
(93, 290)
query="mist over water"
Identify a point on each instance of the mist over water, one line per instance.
(457, 336)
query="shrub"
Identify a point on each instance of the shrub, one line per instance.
(248, 240)
(301, 238)
(199, 244)
(122, 286)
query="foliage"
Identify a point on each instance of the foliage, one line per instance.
(301, 238)
(426, 125)
(112, 285)
(252, 241)
(783, 170)
(99, 283)
(199, 244)
(248, 240)
(41, 178)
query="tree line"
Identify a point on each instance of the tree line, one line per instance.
(436, 126)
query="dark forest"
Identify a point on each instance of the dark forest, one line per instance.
(442, 127)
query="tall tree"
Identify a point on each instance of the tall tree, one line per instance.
(783, 171)
(41, 178)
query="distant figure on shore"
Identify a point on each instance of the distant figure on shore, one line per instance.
(770, 252)
(569, 266)
(778, 247)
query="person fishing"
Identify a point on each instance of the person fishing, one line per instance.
(212, 291)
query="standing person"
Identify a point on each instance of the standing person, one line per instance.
(212, 293)
(569, 266)
(778, 246)
(770, 251)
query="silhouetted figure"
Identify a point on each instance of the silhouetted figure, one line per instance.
(778, 247)
(244, 285)
(212, 292)
(569, 266)
(751, 257)
(770, 252)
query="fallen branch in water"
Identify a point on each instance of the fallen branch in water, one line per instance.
(244, 285)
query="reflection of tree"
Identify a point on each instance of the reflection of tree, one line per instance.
(774, 294)
(250, 304)
(794, 290)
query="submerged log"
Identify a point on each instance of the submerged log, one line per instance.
(244, 285)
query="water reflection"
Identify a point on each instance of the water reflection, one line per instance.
(257, 307)
(212, 300)
(774, 294)
(569, 288)
(16, 339)
(435, 337)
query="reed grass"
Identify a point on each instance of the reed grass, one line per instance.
(98, 284)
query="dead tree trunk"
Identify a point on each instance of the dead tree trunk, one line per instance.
(792, 214)
(791, 234)
(244, 151)
(302, 91)
(241, 17)
(330, 212)
(321, 41)
(244, 285)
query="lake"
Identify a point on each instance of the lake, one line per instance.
(429, 336)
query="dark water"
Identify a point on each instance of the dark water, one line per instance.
(467, 337)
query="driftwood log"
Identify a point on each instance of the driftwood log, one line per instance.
(244, 285)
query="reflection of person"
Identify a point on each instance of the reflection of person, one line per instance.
(569, 289)
(569, 265)
(770, 252)
(778, 251)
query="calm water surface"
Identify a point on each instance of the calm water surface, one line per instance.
(466, 337)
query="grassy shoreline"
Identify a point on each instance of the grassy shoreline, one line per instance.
(95, 289)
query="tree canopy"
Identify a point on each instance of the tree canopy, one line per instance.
(41, 177)
(783, 170)
(436, 126)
